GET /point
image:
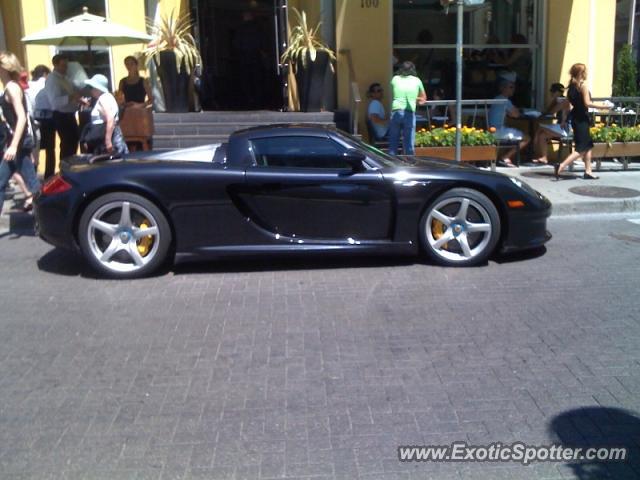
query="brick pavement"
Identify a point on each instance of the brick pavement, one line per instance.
(317, 369)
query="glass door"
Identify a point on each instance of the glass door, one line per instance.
(240, 46)
(500, 40)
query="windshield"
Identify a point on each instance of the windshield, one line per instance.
(384, 159)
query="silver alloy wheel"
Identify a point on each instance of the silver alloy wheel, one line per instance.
(115, 245)
(467, 229)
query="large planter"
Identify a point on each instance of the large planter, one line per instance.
(617, 149)
(310, 80)
(175, 86)
(474, 153)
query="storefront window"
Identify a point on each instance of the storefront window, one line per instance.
(99, 61)
(499, 40)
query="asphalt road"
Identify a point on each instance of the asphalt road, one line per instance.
(319, 369)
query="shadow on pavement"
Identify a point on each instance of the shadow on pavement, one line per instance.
(293, 262)
(520, 256)
(65, 262)
(600, 427)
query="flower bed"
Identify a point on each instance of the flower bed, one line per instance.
(477, 144)
(615, 141)
(601, 133)
(446, 137)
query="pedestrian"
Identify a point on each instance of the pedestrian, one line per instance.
(43, 114)
(103, 134)
(134, 89)
(580, 99)
(407, 91)
(136, 98)
(16, 151)
(64, 100)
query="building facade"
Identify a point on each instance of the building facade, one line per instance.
(241, 40)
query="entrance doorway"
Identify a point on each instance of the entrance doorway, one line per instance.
(240, 42)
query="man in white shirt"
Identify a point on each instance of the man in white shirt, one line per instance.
(64, 99)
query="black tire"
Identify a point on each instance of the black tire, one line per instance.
(479, 230)
(117, 248)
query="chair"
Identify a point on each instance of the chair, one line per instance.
(381, 143)
(137, 127)
(509, 138)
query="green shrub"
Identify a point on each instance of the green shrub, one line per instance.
(625, 83)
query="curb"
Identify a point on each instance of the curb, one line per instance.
(627, 205)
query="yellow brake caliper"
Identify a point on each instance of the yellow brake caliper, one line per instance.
(144, 244)
(437, 230)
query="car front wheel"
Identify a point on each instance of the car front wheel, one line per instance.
(124, 235)
(461, 228)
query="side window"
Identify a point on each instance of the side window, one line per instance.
(298, 152)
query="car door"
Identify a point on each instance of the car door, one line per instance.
(301, 186)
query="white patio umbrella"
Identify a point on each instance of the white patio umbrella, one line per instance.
(89, 30)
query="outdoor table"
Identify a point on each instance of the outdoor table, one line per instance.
(623, 117)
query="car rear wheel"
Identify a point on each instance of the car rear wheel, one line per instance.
(124, 235)
(461, 228)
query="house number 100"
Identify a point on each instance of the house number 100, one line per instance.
(370, 4)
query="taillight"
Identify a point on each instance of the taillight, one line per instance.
(55, 184)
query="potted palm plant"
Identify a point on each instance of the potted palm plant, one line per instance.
(175, 54)
(309, 58)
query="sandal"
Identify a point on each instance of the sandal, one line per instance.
(507, 163)
(27, 206)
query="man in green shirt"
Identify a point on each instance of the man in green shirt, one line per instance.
(408, 92)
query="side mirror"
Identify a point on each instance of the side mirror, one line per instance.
(355, 159)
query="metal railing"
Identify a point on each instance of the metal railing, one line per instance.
(354, 92)
(471, 109)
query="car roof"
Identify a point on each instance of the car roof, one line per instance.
(280, 129)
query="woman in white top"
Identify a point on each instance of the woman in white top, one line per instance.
(105, 112)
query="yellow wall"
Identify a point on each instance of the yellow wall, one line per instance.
(581, 31)
(177, 6)
(367, 33)
(132, 16)
(11, 14)
(36, 20)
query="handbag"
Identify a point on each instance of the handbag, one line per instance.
(93, 135)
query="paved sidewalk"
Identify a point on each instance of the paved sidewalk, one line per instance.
(541, 178)
(566, 202)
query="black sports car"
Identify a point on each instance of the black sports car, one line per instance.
(283, 188)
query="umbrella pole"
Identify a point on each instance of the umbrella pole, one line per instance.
(90, 64)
